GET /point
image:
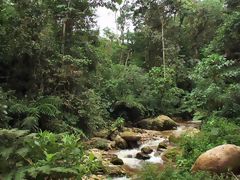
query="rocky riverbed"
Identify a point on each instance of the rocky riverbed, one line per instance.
(124, 152)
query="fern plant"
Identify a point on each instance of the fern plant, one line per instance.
(29, 114)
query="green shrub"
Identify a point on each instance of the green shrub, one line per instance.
(87, 111)
(149, 92)
(217, 88)
(118, 124)
(43, 155)
(118, 84)
(163, 94)
(123, 83)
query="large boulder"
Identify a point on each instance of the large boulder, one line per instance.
(219, 159)
(120, 142)
(159, 123)
(131, 138)
(102, 134)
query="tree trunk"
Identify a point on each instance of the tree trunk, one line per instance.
(65, 25)
(163, 49)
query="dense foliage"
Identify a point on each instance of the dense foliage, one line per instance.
(217, 87)
(59, 73)
(44, 155)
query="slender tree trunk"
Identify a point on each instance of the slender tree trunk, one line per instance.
(64, 30)
(63, 36)
(163, 50)
(128, 56)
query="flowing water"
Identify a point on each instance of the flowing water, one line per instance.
(121, 178)
(128, 155)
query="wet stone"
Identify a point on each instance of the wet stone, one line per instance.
(142, 156)
(117, 161)
(146, 150)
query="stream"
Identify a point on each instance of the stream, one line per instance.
(152, 140)
(128, 155)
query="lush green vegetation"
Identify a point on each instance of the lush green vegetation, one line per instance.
(42, 155)
(57, 74)
(152, 172)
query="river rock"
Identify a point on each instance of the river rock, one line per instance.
(102, 134)
(120, 142)
(219, 159)
(131, 138)
(129, 156)
(159, 123)
(142, 156)
(116, 161)
(94, 177)
(146, 150)
(113, 170)
(161, 145)
(99, 143)
(113, 135)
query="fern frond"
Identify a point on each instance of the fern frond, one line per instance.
(35, 171)
(63, 170)
(6, 152)
(33, 111)
(9, 176)
(48, 109)
(20, 174)
(22, 151)
(18, 108)
(13, 133)
(30, 122)
(53, 100)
